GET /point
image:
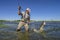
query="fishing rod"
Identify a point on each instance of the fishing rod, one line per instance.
(18, 3)
(19, 6)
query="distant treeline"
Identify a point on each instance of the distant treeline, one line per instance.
(2, 20)
(14, 20)
(20, 20)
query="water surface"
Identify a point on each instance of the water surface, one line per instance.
(51, 32)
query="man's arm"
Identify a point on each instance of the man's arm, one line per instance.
(19, 12)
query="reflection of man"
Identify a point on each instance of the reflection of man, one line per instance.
(22, 36)
(25, 19)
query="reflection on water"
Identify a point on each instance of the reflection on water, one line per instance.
(5, 35)
(22, 36)
(51, 32)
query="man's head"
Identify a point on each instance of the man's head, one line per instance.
(28, 10)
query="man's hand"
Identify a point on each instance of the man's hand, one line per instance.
(19, 7)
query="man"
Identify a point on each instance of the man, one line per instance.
(25, 19)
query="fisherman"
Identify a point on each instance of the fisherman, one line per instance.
(25, 19)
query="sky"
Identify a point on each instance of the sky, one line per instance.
(40, 9)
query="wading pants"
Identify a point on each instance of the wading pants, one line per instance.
(23, 24)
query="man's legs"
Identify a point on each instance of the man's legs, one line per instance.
(26, 26)
(20, 25)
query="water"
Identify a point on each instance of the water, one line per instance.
(51, 32)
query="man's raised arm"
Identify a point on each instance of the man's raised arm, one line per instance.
(19, 10)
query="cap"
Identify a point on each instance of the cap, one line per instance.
(28, 9)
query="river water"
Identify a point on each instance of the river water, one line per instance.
(51, 30)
